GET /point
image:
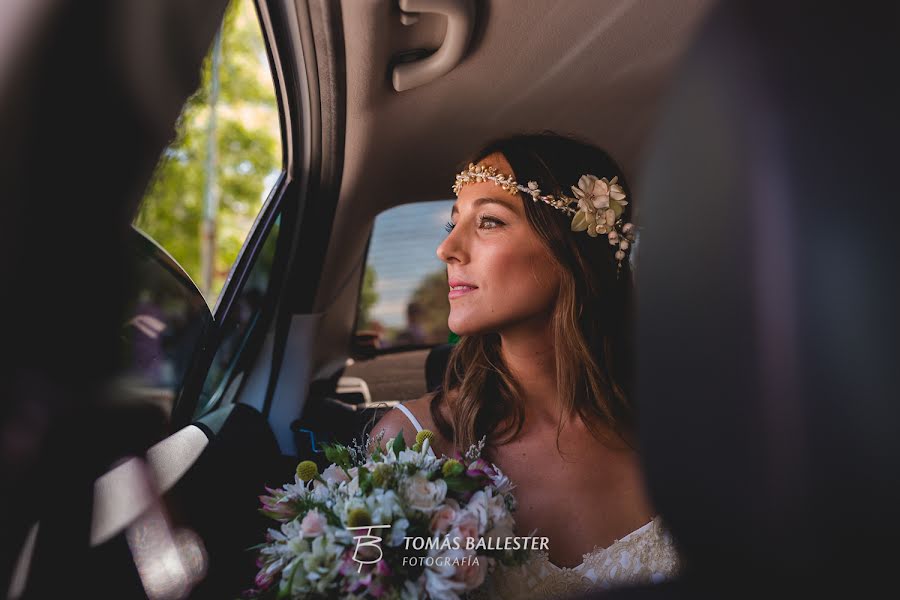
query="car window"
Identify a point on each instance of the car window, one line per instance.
(213, 178)
(238, 325)
(403, 299)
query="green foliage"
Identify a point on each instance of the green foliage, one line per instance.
(339, 455)
(431, 296)
(248, 147)
(367, 298)
(399, 444)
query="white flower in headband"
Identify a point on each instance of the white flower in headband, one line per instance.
(600, 203)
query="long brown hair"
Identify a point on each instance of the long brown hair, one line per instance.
(591, 322)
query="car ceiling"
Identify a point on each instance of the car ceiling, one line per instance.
(597, 70)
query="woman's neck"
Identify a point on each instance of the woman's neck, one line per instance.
(530, 355)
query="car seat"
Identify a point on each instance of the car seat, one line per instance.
(768, 292)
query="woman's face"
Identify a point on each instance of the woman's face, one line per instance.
(501, 274)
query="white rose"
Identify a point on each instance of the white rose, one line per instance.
(334, 474)
(313, 524)
(424, 495)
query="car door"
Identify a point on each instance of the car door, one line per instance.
(187, 336)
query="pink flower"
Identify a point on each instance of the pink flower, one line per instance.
(334, 474)
(466, 525)
(313, 524)
(443, 517)
(471, 572)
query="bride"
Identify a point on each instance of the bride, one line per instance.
(541, 295)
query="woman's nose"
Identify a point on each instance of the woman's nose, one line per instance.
(451, 249)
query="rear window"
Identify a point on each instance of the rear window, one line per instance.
(403, 299)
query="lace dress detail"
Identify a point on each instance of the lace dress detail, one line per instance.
(646, 555)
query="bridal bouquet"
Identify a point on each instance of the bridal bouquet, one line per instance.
(399, 523)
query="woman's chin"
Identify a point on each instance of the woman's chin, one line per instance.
(463, 326)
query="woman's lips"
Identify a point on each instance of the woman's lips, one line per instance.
(459, 288)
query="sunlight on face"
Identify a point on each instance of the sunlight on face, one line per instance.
(501, 274)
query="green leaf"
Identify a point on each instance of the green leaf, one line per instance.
(365, 480)
(579, 222)
(399, 444)
(461, 483)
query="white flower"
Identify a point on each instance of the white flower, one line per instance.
(615, 190)
(313, 524)
(610, 215)
(424, 495)
(439, 581)
(320, 492)
(501, 481)
(498, 513)
(383, 505)
(398, 532)
(297, 489)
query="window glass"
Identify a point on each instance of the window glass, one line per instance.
(213, 178)
(239, 323)
(403, 300)
(162, 329)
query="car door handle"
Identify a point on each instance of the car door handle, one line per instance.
(460, 24)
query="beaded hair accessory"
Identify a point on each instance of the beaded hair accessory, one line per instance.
(596, 208)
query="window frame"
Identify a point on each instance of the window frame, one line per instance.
(275, 36)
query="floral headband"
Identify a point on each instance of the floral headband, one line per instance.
(600, 203)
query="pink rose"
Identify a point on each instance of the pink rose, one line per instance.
(466, 524)
(313, 524)
(443, 518)
(334, 474)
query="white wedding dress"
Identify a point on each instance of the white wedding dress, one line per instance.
(646, 555)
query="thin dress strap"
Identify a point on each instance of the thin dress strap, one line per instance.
(410, 416)
(415, 422)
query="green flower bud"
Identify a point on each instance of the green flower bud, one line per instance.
(381, 475)
(423, 435)
(452, 467)
(359, 517)
(307, 470)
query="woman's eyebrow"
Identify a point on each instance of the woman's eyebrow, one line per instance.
(486, 200)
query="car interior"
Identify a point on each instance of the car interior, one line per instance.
(746, 291)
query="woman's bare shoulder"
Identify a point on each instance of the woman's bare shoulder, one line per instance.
(394, 421)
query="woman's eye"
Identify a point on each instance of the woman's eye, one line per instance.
(487, 222)
(448, 227)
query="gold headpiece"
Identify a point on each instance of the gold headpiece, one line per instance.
(598, 203)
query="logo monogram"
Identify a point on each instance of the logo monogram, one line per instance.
(367, 540)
